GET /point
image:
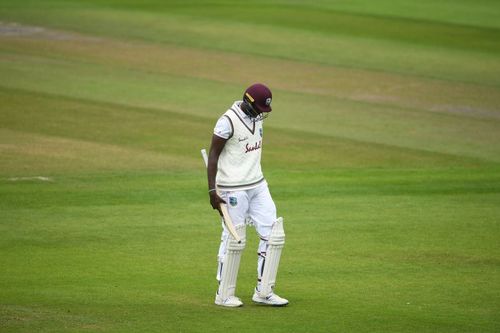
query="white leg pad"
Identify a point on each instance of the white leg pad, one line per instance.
(272, 260)
(231, 263)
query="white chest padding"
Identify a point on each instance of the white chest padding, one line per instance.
(275, 245)
(231, 263)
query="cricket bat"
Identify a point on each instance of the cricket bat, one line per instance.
(225, 214)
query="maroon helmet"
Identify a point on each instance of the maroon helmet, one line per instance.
(258, 98)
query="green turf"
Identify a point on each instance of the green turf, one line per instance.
(382, 154)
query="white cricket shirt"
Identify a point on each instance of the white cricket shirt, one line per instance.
(239, 162)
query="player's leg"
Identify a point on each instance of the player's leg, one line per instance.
(262, 211)
(230, 250)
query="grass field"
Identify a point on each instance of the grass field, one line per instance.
(382, 154)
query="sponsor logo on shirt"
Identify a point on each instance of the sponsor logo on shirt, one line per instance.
(256, 146)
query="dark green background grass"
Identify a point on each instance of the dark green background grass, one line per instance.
(382, 154)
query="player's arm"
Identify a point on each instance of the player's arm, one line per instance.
(216, 147)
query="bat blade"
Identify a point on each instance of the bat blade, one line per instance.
(205, 156)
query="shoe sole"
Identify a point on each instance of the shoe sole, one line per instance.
(270, 304)
(228, 306)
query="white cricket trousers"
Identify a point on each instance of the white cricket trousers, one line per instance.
(254, 207)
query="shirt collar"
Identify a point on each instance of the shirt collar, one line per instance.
(237, 107)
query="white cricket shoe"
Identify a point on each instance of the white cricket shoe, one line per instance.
(230, 302)
(271, 299)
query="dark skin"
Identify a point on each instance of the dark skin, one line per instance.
(216, 148)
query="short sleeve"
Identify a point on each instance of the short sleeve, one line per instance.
(223, 128)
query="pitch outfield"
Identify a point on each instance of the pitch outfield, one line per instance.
(382, 155)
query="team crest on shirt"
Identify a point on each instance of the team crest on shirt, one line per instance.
(233, 201)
